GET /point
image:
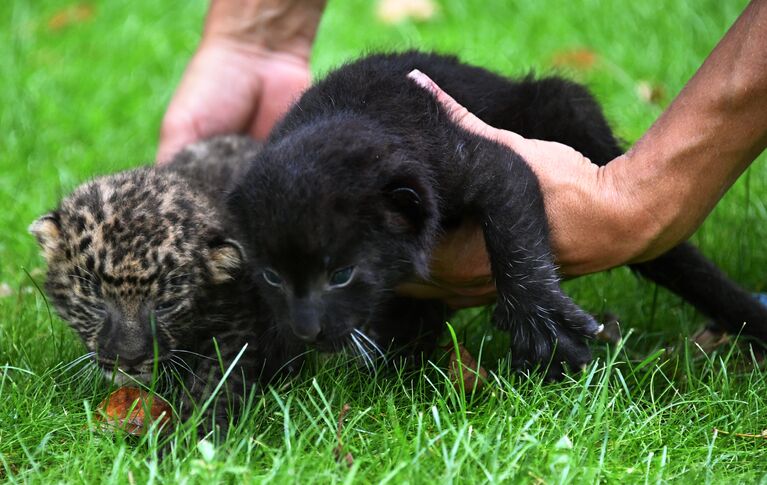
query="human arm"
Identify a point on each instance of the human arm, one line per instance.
(252, 62)
(644, 202)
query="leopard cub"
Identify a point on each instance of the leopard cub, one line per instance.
(146, 264)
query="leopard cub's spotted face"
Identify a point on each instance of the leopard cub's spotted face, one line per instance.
(131, 258)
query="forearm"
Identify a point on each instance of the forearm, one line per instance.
(702, 143)
(278, 25)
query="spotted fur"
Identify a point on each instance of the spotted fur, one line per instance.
(146, 262)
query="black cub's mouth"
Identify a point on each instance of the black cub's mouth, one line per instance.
(357, 343)
(331, 344)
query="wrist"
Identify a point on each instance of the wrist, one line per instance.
(596, 220)
(636, 217)
(278, 26)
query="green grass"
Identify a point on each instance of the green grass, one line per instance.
(87, 99)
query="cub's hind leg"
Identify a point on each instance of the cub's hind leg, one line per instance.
(689, 274)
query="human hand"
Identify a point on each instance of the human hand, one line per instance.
(252, 63)
(582, 207)
(231, 87)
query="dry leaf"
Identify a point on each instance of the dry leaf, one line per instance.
(471, 370)
(709, 339)
(762, 435)
(393, 11)
(338, 451)
(650, 92)
(611, 330)
(115, 409)
(73, 14)
(580, 59)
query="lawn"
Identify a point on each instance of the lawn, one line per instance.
(84, 86)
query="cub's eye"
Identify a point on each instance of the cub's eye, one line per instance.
(166, 306)
(272, 278)
(342, 277)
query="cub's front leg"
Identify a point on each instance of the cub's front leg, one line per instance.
(547, 328)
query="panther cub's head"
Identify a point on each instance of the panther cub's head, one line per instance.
(335, 216)
(130, 258)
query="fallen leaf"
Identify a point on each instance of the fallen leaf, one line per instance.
(709, 339)
(338, 451)
(611, 330)
(651, 92)
(126, 408)
(71, 15)
(580, 59)
(471, 370)
(394, 11)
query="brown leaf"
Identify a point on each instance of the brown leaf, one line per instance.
(580, 59)
(652, 93)
(709, 339)
(471, 370)
(611, 330)
(393, 11)
(71, 15)
(126, 408)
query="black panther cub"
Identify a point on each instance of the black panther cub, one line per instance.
(358, 181)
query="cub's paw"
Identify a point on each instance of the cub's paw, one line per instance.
(571, 353)
(553, 339)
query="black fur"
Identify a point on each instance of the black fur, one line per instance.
(367, 170)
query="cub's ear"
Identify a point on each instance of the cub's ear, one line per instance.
(225, 259)
(47, 231)
(411, 209)
(407, 206)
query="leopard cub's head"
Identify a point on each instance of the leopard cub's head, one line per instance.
(131, 258)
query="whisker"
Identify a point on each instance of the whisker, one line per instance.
(354, 348)
(76, 361)
(182, 363)
(193, 353)
(375, 346)
(167, 376)
(362, 351)
(293, 359)
(82, 373)
(176, 362)
(176, 375)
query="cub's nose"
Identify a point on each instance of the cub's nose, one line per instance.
(130, 360)
(124, 355)
(306, 330)
(304, 321)
(126, 342)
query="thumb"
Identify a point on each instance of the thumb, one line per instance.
(177, 131)
(460, 115)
